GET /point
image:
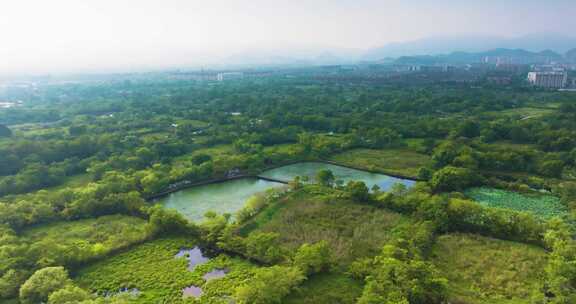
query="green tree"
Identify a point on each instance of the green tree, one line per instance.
(551, 168)
(306, 140)
(325, 178)
(453, 178)
(42, 283)
(201, 158)
(163, 221)
(69, 295)
(10, 282)
(213, 226)
(444, 154)
(313, 258)
(468, 129)
(269, 285)
(400, 276)
(424, 173)
(358, 191)
(561, 268)
(264, 247)
(76, 130)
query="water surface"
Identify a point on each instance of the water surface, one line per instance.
(194, 257)
(225, 197)
(192, 291)
(287, 173)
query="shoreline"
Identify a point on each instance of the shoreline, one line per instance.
(258, 176)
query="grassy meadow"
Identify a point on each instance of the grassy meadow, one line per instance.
(483, 270)
(90, 238)
(401, 161)
(153, 269)
(326, 288)
(310, 215)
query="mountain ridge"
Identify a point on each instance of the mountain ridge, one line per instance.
(444, 45)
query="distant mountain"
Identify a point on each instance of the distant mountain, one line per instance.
(294, 57)
(496, 55)
(468, 44)
(571, 55)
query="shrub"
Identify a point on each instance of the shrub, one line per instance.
(68, 295)
(313, 258)
(269, 285)
(42, 283)
(453, 178)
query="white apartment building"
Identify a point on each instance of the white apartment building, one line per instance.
(551, 80)
(229, 76)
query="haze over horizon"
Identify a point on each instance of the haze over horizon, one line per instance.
(68, 35)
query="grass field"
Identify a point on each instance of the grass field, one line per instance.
(402, 162)
(310, 215)
(283, 148)
(85, 238)
(541, 205)
(160, 277)
(212, 151)
(483, 270)
(326, 288)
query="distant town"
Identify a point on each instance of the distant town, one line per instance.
(500, 67)
(545, 70)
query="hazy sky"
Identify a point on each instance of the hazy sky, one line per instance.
(42, 35)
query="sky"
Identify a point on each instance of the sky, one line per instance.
(58, 35)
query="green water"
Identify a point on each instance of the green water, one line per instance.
(287, 173)
(230, 196)
(226, 197)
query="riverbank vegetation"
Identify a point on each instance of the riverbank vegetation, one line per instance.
(80, 162)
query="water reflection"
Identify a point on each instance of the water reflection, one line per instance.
(310, 169)
(194, 256)
(192, 291)
(225, 197)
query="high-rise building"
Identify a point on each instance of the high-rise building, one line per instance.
(230, 76)
(551, 80)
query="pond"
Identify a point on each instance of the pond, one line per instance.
(192, 291)
(287, 173)
(225, 197)
(195, 256)
(230, 196)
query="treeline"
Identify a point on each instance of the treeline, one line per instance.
(277, 112)
(495, 160)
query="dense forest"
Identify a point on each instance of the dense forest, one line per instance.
(490, 219)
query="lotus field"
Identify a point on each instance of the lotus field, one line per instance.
(541, 205)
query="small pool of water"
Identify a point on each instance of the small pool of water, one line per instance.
(195, 257)
(310, 169)
(225, 197)
(192, 291)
